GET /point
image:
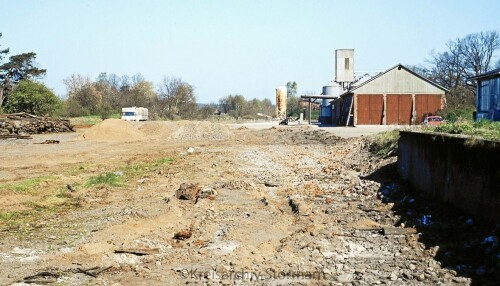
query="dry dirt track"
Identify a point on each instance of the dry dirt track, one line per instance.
(283, 206)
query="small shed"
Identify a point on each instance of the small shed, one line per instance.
(488, 95)
(396, 96)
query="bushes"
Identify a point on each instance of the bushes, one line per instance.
(34, 98)
(463, 112)
(489, 130)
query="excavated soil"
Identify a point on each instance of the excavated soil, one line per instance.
(113, 130)
(117, 130)
(184, 130)
(201, 204)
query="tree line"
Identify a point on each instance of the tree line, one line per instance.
(172, 98)
(463, 58)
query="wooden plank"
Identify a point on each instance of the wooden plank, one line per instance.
(350, 110)
(390, 230)
(138, 251)
(16, 136)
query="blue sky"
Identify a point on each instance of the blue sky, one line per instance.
(234, 47)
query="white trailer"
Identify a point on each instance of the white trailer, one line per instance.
(135, 113)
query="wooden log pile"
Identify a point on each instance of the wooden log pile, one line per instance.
(24, 123)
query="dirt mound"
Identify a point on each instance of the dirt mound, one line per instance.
(185, 130)
(113, 130)
(202, 130)
(156, 129)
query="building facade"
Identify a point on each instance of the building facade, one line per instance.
(488, 95)
(397, 96)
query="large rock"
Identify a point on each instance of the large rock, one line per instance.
(188, 191)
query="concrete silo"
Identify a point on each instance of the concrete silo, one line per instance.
(281, 97)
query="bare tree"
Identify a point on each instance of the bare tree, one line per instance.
(478, 50)
(75, 82)
(465, 57)
(175, 99)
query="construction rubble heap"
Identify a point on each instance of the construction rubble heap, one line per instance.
(275, 206)
(24, 124)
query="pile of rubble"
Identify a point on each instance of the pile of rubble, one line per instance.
(23, 123)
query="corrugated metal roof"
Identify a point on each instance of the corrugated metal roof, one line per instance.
(491, 73)
(353, 88)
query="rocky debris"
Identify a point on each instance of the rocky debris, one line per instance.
(184, 130)
(337, 215)
(188, 191)
(208, 192)
(23, 123)
(299, 205)
(183, 234)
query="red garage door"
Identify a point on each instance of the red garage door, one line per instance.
(369, 109)
(426, 103)
(398, 109)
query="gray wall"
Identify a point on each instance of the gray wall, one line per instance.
(444, 167)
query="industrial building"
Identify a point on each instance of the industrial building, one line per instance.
(396, 96)
(488, 95)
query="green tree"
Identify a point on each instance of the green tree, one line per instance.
(291, 88)
(4, 52)
(34, 98)
(206, 111)
(19, 67)
(293, 106)
(292, 102)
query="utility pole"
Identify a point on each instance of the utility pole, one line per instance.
(309, 111)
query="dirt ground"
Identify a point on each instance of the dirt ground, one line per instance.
(206, 204)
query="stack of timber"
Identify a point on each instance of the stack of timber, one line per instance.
(22, 124)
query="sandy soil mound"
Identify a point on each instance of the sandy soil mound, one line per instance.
(113, 130)
(185, 130)
(201, 130)
(156, 129)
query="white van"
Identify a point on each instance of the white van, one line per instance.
(135, 113)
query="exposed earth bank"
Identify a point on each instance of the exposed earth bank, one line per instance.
(204, 204)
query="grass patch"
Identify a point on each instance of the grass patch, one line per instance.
(110, 179)
(139, 169)
(385, 143)
(163, 161)
(489, 130)
(7, 216)
(90, 119)
(25, 186)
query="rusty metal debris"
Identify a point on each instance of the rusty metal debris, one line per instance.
(139, 251)
(49, 142)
